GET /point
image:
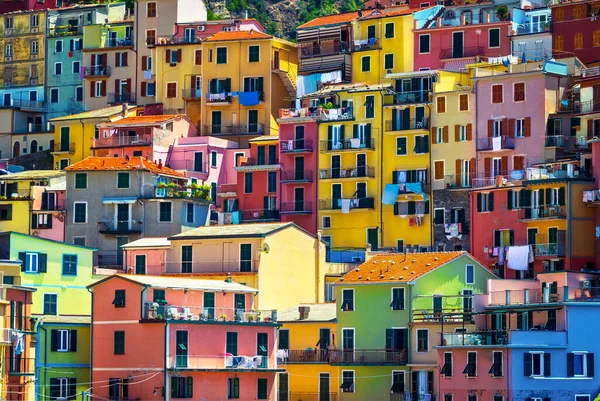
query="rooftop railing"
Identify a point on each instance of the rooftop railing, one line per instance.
(369, 356)
(209, 314)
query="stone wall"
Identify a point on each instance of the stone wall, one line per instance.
(450, 199)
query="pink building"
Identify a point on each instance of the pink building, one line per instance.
(206, 338)
(48, 211)
(594, 198)
(146, 136)
(195, 32)
(298, 138)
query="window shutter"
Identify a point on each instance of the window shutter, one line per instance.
(412, 208)
(590, 364)
(103, 88)
(342, 133)
(490, 128)
(511, 127)
(548, 197)
(117, 85)
(42, 262)
(527, 364)
(72, 388)
(92, 89)
(128, 86)
(445, 134)
(479, 202)
(72, 340)
(487, 164)
(426, 140)
(570, 363)
(329, 137)
(53, 340)
(497, 238)
(394, 177)
(50, 218)
(260, 83)
(490, 201)
(561, 196)
(504, 170)
(469, 132)
(590, 129)
(368, 134)
(426, 207)
(355, 131)
(179, 56)
(212, 86)
(168, 56)
(504, 126)
(144, 63)
(547, 365)
(509, 199)
(395, 208)
(511, 237)
(190, 387)
(458, 167)
(389, 334)
(456, 133)
(472, 167)
(228, 85)
(174, 387)
(143, 88)
(54, 389)
(117, 62)
(434, 135)
(34, 218)
(125, 59)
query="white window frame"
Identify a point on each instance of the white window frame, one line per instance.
(579, 396)
(34, 47)
(417, 341)
(86, 211)
(554, 196)
(52, 90)
(353, 300)
(149, 63)
(490, 38)
(467, 274)
(55, 66)
(541, 355)
(393, 61)
(32, 261)
(361, 63)
(97, 89)
(462, 133)
(155, 8)
(403, 298)
(153, 92)
(76, 64)
(158, 210)
(519, 127)
(420, 52)
(64, 340)
(584, 360)
(63, 388)
(439, 135)
(8, 50)
(497, 131)
(323, 220)
(353, 381)
(484, 202)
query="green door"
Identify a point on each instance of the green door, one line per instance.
(246, 257)
(252, 120)
(239, 302)
(209, 306)
(140, 264)
(336, 195)
(216, 122)
(65, 135)
(262, 348)
(181, 350)
(373, 238)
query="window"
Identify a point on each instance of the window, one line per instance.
(50, 304)
(79, 94)
(558, 42)
(582, 397)
(401, 146)
(421, 144)
(497, 96)
(448, 397)
(580, 364)
(122, 180)
(470, 274)
(348, 300)
(34, 47)
(389, 30)
(189, 212)
(221, 55)
(150, 37)
(254, 54)
(397, 299)
(537, 364)
(58, 46)
(213, 158)
(326, 222)
(438, 173)
(8, 51)
(80, 180)
(63, 388)
(80, 212)
(171, 90)
(248, 183)
(34, 20)
(471, 397)
(197, 57)
(151, 9)
(463, 102)
(140, 267)
(69, 265)
(388, 61)
(245, 257)
(370, 106)
(165, 210)
(496, 369)
(494, 38)
(57, 68)
(519, 127)
(233, 388)
(99, 88)
(519, 92)
(151, 89)
(118, 389)
(447, 368)
(441, 104)
(471, 369)
(182, 387)
(439, 216)
(424, 44)
(119, 300)
(272, 181)
(121, 59)
(347, 381)
(366, 63)
(261, 391)
(119, 342)
(283, 339)
(422, 340)
(63, 340)
(54, 95)
(186, 259)
(76, 67)
(485, 202)
(578, 40)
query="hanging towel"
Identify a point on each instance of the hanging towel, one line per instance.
(346, 205)
(517, 257)
(290, 145)
(495, 252)
(235, 217)
(530, 259)
(416, 188)
(355, 143)
(501, 255)
(220, 218)
(390, 193)
(597, 232)
(147, 74)
(249, 98)
(497, 143)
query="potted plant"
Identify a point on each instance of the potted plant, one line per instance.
(547, 27)
(223, 317)
(502, 13)
(250, 318)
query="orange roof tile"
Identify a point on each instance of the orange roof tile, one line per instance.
(222, 36)
(93, 163)
(356, 15)
(398, 267)
(144, 120)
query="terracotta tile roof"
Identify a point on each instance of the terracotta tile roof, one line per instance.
(93, 163)
(397, 267)
(98, 113)
(344, 18)
(143, 120)
(237, 35)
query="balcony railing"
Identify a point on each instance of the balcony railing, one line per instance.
(218, 98)
(191, 93)
(336, 114)
(213, 266)
(406, 396)
(59, 204)
(528, 27)
(21, 366)
(109, 259)
(125, 42)
(260, 215)
(366, 44)
(549, 250)
(528, 296)
(64, 147)
(38, 105)
(355, 203)
(308, 356)
(536, 173)
(547, 212)
(178, 39)
(66, 30)
(469, 51)
(554, 141)
(369, 356)
(19, 194)
(497, 143)
(122, 140)
(112, 226)
(252, 161)
(296, 146)
(590, 106)
(181, 192)
(453, 181)
(350, 144)
(121, 98)
(457, 315)
(225, 362)
(591, 197)
(405, 125)
(299, 113)
(481, 337)
(157, 311)
(234, 129)
(39, 128)
(293, 176)
(355, 172)
(312, 50)
(408, 97)
(96, 71)
(296, 207)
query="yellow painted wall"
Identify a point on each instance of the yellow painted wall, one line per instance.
(20, 216)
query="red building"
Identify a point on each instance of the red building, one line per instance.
(299, 160)
(576, 29)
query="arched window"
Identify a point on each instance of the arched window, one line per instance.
(16, 149)
(33, 147)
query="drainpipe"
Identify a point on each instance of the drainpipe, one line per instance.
(318, 265)
(37, 368)
(135, 40)
(431, 229)
(82, 136)
(380, 163)
(91, 343)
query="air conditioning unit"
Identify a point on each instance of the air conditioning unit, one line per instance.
(201, 28)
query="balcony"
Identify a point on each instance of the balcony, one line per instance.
(475, 338)
(213, 266)
(406, 125)
(410, 97)
(549, 250)
(335, 114)
(21, 366)
(122, 140)
(355, 172)
(115, 98)
(546, 212)
(260, 215)
(355, 144)
(25, 324)
(354, 203)
(307, 396)
(454, 181)
(528, 296)
(64, 147)
(109, 259)
(295, 146)
(528, 28)
(255, 162)
(65, 30)
(98, 71)
(590, 106)
(174, 313)
(366, 44)
(455, 229)
(57, 205)
(194, 191)
(225, 362)
(296, 176)
(39, 128)
(20, 194)
(296, 207)
(406, 396)
(191, 94)
(369, 357)
(305, 112)
(234, 129)
(469, 51)
(34, 105)
(497, 143)
(115, 42)
(308, 356)
(457, 315)
(554, 141)
(592, 197)
(112, 226)
(218, 98)
(178, 39)
(311, 50)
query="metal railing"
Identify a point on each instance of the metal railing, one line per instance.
(191, 93)
(405, 125)
(335, 114)
(366, 44)
(408, 98)
(296, 176)
(164, 311)
(308, 356)
(480, 337)
(349, 144)
(19, 194)
(354, 172)
(66, 30)
(554, 141)
(112, 259)
(122, 140)
(312, 50)
(369, 356)
(299, 113)
(468, 51)
(21, 366)
(528, 296)
(121, 97)
(295, 207)
(504, 142)
(295, 145)
(119, 42)
(550, 249)
(30, 104)
(253, 161)
(178, 39)
(112, 226)
(59, 204)
(528, 27)
(64, 147)
(542, 212)
(234, 129)
(228, 361)
(96, 71)
(452, 181)
(31, 127)
(181, 192)
(223, 97)
(212, 266)
(306, 396)
(457, 315)
(590, 106)
(355, 203)
(260, 215)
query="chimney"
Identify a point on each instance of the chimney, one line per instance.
(438, 22)
(160, 164)
(124, 109)
(463, 19)
(228, 279)
(487, 18)
(303, 312)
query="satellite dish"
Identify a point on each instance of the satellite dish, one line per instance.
(265, 248)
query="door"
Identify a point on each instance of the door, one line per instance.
(467, 302)
(119, 252)
(299, 138)
(272, 154)
(457, 45)
(361, 192)
(33, 96)
(112, 39)
(299, 168)
(239, 302)
(348, 344)
(122, 223)
(299, 199)
(6, 102)
(216, 122)
(198, 161)
(181, 349)
(260, 155)
(336, 195)
(275, 60)
(405, 119)
(140, 264)
(437, 304)
(336, 164)
(189, 35)
(208, 311)
(283, 389)
(373, 238)
(420, 117)
(324, 387)
(252, 120)
(64, 139)
(262, 348)
(361, 165)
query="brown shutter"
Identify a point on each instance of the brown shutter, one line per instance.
(504, 126)
(527, 126)
(590, 129)
(511, 127)
(458, 171)
(469, 132)
(518, 162)
(125, 63)
(168, 56)
(144, 61)
(456, 133)
(504, 165)
(490, 128)
(143, 89)
(179, 56)
(434, 135)
(105, 59)
(116, 86)
(117, 60)
(192, 82)
(487, 164)
(92, 87)
(91, 60)
(445, 134)
(103, 91)
(128, 85)
(472, 167)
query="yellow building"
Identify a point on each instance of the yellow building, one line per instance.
(73, 134)
(304, 340)
(350, 121)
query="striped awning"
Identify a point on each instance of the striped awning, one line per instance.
(458, 65)
(330, 32)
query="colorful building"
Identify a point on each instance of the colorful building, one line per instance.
(389, 313)
(304, 342)
(215, 343)
(531, 37)
(575, 31)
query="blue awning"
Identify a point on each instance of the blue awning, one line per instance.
(110, 200)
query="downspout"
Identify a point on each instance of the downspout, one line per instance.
(380, 163)
(135, 50)
(91, 343)
(37, 356)
(431, 229)
(82, 136)
(165, 372)
(318, 266)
